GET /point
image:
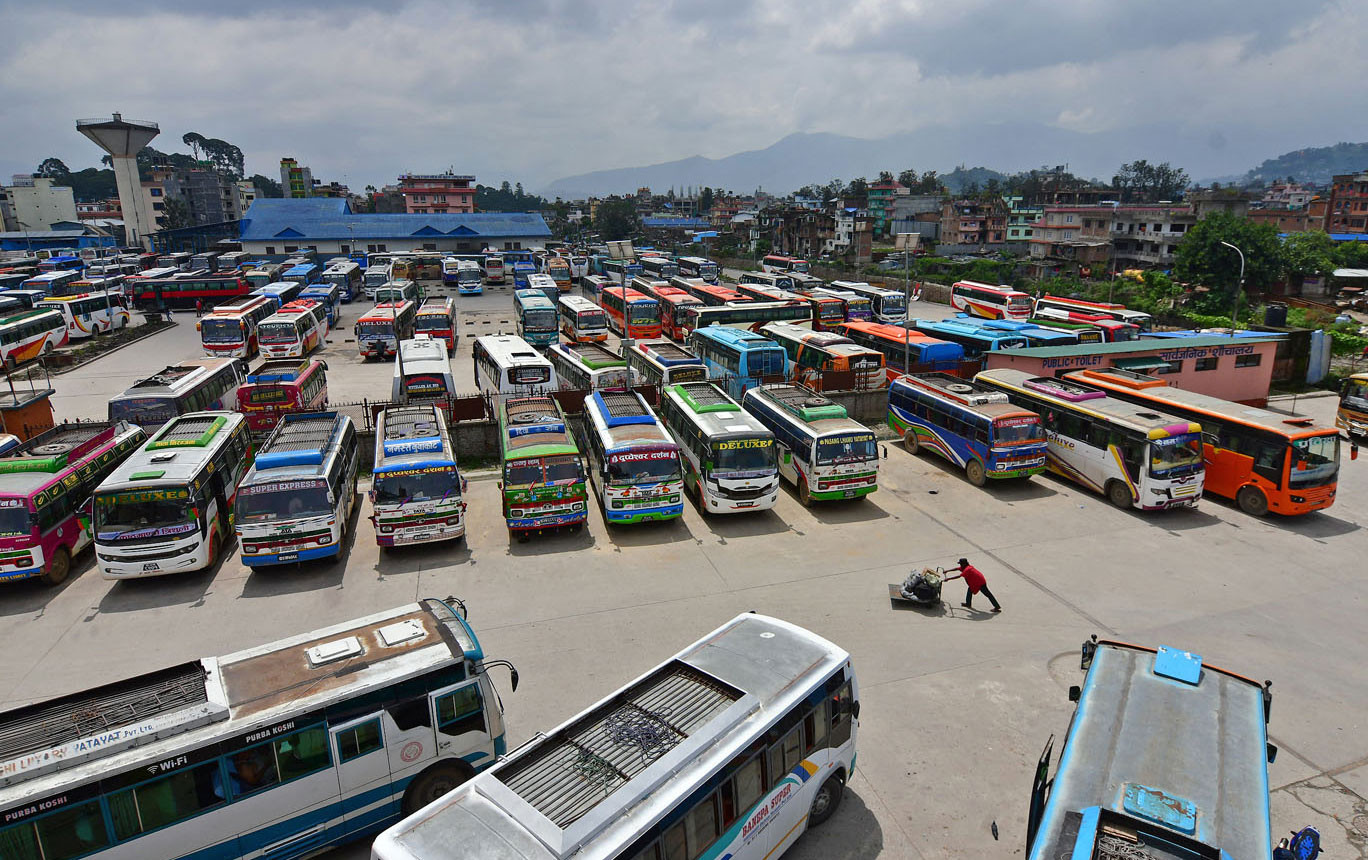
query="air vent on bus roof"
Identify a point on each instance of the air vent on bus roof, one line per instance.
(401, 632)
(331, 652)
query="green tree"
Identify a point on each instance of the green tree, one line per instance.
(908, 177)
(885, 176)
(617, 219)
(1202, 260)
(1351, 255)
(195, 141)
(858, 187)
(1308, 254)
(267, 187)
(52, 168)
(1141, 182)
(705, 199)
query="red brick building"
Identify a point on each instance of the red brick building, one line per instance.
(441, 193)
(1347, 211)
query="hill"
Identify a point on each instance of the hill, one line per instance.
(957, 179)
(1316, 164)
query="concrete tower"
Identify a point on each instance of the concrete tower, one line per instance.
(123, 139)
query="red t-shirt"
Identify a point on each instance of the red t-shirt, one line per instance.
(973, 578)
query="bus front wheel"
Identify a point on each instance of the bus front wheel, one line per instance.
(1119, 494)
(58, 568)
(1252, 501)
(974, 471)
(826, 800)
(432, 784)
(910, 441)
(804, 496)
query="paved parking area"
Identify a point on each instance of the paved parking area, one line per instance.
(957, 705)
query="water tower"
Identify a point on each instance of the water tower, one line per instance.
(123, 139)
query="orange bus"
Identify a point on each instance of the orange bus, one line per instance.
(1264, 460)
(275, 388)
(673, 321)
(711, 294)
(437, 318)
(630, 313)
(814, 354)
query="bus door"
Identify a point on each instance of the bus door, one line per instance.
(362, 764)
(463, 729)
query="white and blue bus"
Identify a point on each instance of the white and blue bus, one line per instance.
(296, 502)
(699, 267)
(739, 359)
(279, 750)
(416, 488)
(329, 296)
(823, 452)
(976, 341)
(888, 306)
(634, 464)
(730, 749)
(347, 277)
(664, 362)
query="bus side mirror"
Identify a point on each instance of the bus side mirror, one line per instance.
(513, 680)
(1272, 753)
(1075, 693)
(1353, 451)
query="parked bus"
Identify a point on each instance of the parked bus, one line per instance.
(329, 296)
(304, 273)
(450, 266)
(1085, 332)
(820, 450)
(631, 314)
(699, 267)
(206, 261)
(195, 385)
(1352, 414)
(426, 266)
(620, 272)
(400, 290)
(887, 306)
(437, 319)
(1134, 455)
(674, 322)
(347, 277)
(294, 331)
(296, 502)
(423, 371)
(62, 264)
(857, 308)
(753, 732)
(274, 388)
(233, 261)
(662, 362)
(777, 263)
(558, 270)
(416, 487)
(168, 507)
(373, 279)
(543, 474)
(1113, 331)
(659, 268)
(739, 359)
(508, 365)
(968, 423)
(492, 268)
(522, 270)
(184, 292)
(749, 316)
(975, 340)
(1035, 335)
(281, 750)
(582, 321)
(1165, 756)
(29, 334)
(1263, 460)
(45, 484)
(542, 284)
(535, 317)
(588, 367)
(231, 330)
(52, 283)
(12, 280)
(380, 329)
(1141, 320)
(827, 312)
(729, 457)
(773, 280)
(815, 355)
(990, 302)
(923, 352)
(262, 274)
(468, 279)
(593, 286)
(634, 464)
(179, 260)
(709, 294)
(89, 314)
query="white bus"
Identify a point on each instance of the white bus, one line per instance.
(469, 281)
(507, 365)
(294, 331)
(168, 507)
(664, 362)
(422, 371)
(373, 279)
(588, 366)
(822, 451)
(593, 286)
(296, 502)
(729, 458)
(699, 267)
(730, 749)
(279, 750)
(492, 268)
(1133, 454)
(634, 464)
(889, 306)
(195, 385)
(89, 314)
(774, 280)
(347, 277)
(416, 488)
(582, 321)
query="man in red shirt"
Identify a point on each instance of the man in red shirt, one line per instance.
(974, 578)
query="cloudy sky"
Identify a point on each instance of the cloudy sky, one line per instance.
(533, 90)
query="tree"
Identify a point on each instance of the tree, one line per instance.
(929, 184)
(177, 214)
(1142, 182)
(1351, 255)
(616, 219)
(858, 187)
(267, 187)
(885, 176)
(52, 168)
(1308, 254)
(705, 199)
(908, 177)
(1202, 260)
(194, 140)
(992, 188)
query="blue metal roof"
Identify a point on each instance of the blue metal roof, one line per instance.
(331, 218)
(677, 221)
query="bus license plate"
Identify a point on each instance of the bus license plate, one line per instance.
(850, 494)
(151, 565)
(288, 556)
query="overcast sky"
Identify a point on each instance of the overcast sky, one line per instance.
(533, 90)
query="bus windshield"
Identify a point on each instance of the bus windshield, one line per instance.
(800, 266)
(641, 312)
(14, 518)
(1124, 333)
(1176, 455)
(1014, 431)
(1019, 304)
(592, 319)
(377, 328)
(402, 487)
(466, 276)
(1315, 461)
(220, 331)
(285, 500)
(144, 515)
(142, 410)
(743, 455)
(540, 319)
(432, 322)
(549, 470)
(894, 304)
(857, 448)
(278, 332)
(643, 467)
(1356, 394)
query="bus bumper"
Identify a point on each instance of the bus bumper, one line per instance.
(842, 493)
(423, 534)
(1018, 473)
(21, 574)
(265, 559)
(668, 512)
(552, 522)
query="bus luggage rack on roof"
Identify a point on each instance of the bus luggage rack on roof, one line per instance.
(797, 397)
(566, 775)
(593, 352)
(705, 393)
(190, 428)
(671, 352)
(621, 404)
(166, 376)
(530, 409)
(410, 423)
(305, 433)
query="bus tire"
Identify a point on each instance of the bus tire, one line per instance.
(804, 495)
(827, 799)
(59, 568)
(974, 471)
(1119, 494)
(11, 363)
(47, 348)
(433, 783)
(910, 441)
(1252, 501)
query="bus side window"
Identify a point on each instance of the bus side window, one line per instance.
(359, 740)
(460, 711)
(840, 704)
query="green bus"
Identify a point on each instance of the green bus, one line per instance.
(543, 472)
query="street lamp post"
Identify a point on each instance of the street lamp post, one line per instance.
(1239, 288)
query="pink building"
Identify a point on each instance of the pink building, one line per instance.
(442, 193)
(1232, 368)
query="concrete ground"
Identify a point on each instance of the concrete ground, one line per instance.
(957, 704)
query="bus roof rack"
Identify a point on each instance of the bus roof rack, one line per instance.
(299, 440)
(195, 429)
(623, 408)
(706, 397)
(804, 402)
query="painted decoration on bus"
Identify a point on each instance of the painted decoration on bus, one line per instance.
(529, 374)
(282, 487)
(139, 496)
(425, 386)
(638, 456)
(732, 444)
(695, 373)
(160, 531)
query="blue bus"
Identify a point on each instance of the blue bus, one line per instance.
(283, 292)
(1036, 335)
(304, 273)
(976, 341)
(535, 317)
(1166, 756)
(971, 425)
(635, 464)
(738, 358)
(330, 297)
(923, 352)
(521, 264)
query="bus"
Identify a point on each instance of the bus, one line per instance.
(748, 737)
(29, 334)
(975, 340)
(274, 388)
(262, 274)
(738, 358)
(539, 283)
(543, 473)
(887, 306)
(425, 266)
(12, 280)
(380, 329)
(588, 367)
(492, 268)
(281, 750)
(1166, 756)
(971, 425)
(662, 362)
(990, 302)
(294, 331)
(1352, 414)
(206, 261)
(778, 263)
(923, 353)
(45, 484)
(659, 268)
(347, 277)
(400, 290)
(621, 271)
(593, 286)
(582, 321)
(558, 270)
(423, 371)
(857, 308)
(814, 355)
(194, 385)
(1113, 331)
(634, 464)
(179, 260)
(773, 280)
(508, 365)
(233, 261)
(699, 267)
(1262, 460)
(437, 319)
(168, 507)
(535, 317)
(729, 458)
(61, 264)
(303, 273)
(373, 279)
(674, 322)
(1085, 332)
(579, 266)
(231, 329)
(710, 295)
(88, 314)
(52, 283)
(1035, 335)
(450, 265)
(522, 269)
(749, 316)
(329, 296)
(631, 314)
(828, 312)
(1135, 456)
(824, 453)
(416, 488)
(184, 291)
(1141, 320)
(296, 502)
(468, 279)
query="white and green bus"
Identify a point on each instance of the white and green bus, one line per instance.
(730, 749)
(728, 456)
(588, 366)
(823, 452)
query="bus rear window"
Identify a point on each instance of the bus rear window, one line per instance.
(142, 410)
(261, 395)
(529, 375)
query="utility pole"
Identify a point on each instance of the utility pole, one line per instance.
(905, 242)
(1239, 288)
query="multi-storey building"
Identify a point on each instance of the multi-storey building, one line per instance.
(438, 193)
(1021, 217)
(1347, 211)
(973, 222)
(296, 180)
(36, 203)
(1071, 241)
(882, 197)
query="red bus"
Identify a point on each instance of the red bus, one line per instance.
(710, 294)
(380, 329)
(674, 322)
(630, 313)
(277, 387)
(185, 290)
(231, 329)
(1113, 331)
(44, 487)
(437, 319)
(1110, 310)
